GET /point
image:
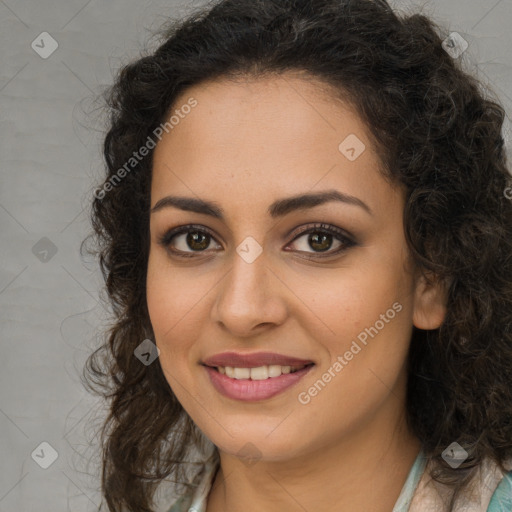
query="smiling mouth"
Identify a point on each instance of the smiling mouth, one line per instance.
(258, 373)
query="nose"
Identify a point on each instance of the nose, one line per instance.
(250, 297)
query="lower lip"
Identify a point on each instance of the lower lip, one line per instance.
(254, 390)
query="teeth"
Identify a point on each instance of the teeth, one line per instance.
(241, 373)
(274, 370)
(259, 373)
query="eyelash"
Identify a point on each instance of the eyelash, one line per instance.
(166, 239)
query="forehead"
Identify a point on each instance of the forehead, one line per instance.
(288, 111)
(265, 137)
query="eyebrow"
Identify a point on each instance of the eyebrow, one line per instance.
(277, 209)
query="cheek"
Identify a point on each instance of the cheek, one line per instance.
(372, 319)
(361, 298)
(366, 357)
(172, 306)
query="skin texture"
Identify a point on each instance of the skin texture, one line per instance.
(245, 145)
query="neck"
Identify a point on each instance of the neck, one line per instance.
(365, 471)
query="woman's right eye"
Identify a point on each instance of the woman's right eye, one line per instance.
(181, 239)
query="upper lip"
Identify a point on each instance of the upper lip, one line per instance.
(253, 360)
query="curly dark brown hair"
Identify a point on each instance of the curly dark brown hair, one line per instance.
(437, 131)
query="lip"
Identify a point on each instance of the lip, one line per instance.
(253, 360)
(247, 390)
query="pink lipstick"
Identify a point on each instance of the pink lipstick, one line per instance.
(254, 377)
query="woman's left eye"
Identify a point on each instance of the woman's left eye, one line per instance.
(320, 238)
(198, 239)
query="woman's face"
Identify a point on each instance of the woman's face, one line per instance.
(247, 287)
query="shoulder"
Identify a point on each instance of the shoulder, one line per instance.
(501, 500)
(194, 499)
(490, 490)
(182, 504)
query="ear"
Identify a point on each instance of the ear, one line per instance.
(430, 299)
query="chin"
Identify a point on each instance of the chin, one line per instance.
(253, 444)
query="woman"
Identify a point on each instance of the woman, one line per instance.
(306, 239)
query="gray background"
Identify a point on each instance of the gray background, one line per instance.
(51, 131)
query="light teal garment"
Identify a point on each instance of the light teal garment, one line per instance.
(501, 500)
(405, 497)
